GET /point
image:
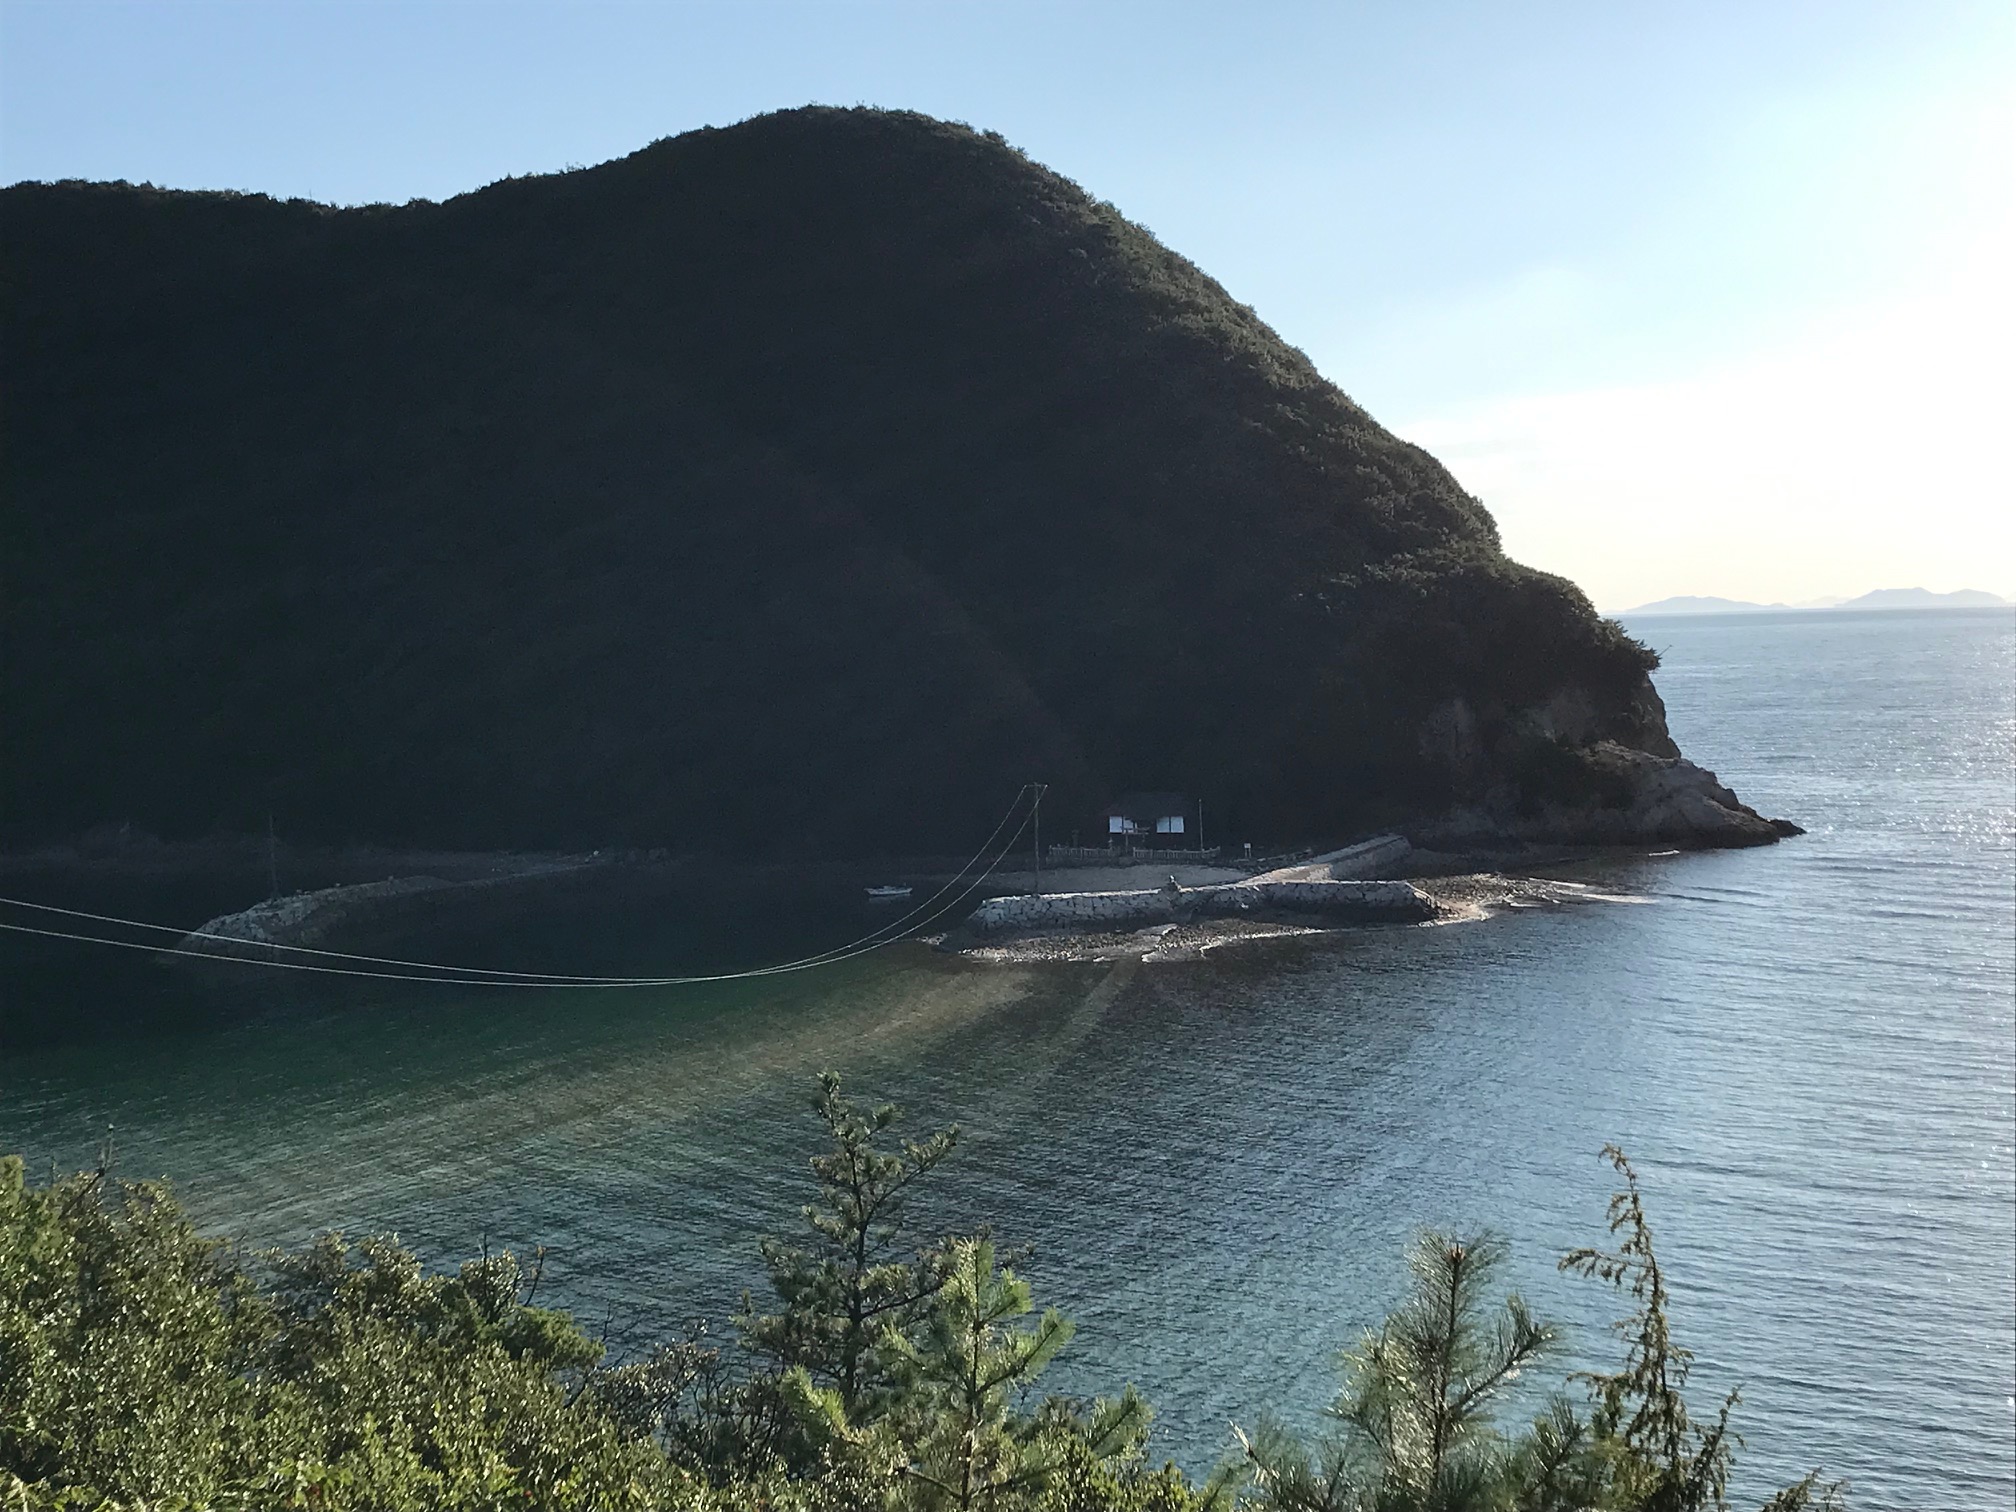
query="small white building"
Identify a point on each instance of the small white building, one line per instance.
(1166, 815)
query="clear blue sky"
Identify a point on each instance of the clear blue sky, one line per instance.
(1698, 298)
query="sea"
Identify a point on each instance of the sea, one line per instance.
(1214, 1166)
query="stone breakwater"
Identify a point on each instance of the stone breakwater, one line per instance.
(1355, 901)
(350, 914)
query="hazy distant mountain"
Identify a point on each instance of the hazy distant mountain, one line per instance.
(1922, 598)
(1688, 603)
(1881, 598)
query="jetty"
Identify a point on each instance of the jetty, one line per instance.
(355, 913)
(1336, 886)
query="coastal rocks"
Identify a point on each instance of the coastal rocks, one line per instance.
(1655, 799)
(1646, 712)
(1475, 746)
(1573, 716)
(1677, 800)
(1569, 715)
(1358, 901)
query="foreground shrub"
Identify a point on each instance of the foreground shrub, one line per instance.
(139, 1359)
(1417, 1423)
(145, 1366)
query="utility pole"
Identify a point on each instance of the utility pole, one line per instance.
(1200, 829)
(272, 860)
(1037, 813)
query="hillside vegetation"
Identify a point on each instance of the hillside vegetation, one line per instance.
(807, 485)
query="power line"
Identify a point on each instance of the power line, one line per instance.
(829, 958)
(479, 976)
(555, 977)
(383, 976)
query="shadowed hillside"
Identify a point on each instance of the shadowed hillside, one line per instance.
(808, 484)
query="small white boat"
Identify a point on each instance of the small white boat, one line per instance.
(888, 894)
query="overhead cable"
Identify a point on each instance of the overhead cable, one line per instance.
(478, 976)
(552, 977)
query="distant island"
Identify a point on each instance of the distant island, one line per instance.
(798, 489)
(1881, 598)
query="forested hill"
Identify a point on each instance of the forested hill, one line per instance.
(809, 484)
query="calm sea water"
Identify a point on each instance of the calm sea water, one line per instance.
(1809, 1051)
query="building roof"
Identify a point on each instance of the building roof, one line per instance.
(1146, 808)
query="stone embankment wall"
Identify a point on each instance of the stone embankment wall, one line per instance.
(1116, 855)
(307, 918)
(1358, 901)
(1400, 901)
(351, 913)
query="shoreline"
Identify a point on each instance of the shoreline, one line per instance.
(1085, 911)
(1457, 896)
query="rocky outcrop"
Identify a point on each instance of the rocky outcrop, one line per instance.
(1578, 770)
(1351, 901)
(1475, 746)
(1654, 800)
(1673, 799)
(1646, 712)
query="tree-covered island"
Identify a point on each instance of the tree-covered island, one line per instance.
(799, 488)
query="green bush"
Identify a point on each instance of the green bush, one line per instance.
(140, 1360)
(145, 1366)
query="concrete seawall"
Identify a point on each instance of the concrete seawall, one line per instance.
(1366, 859)
(1357, 901)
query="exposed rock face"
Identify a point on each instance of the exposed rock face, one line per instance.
(1582, 775)
(1648, 712)
(1666, 800)
(1471, 743)
(1677, 800)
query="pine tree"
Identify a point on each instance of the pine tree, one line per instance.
(1415, 1414)
(1416, 1429)
(970, 1449)
(860, 1280)
(1659, 1460)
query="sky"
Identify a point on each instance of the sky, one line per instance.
(1703, 299)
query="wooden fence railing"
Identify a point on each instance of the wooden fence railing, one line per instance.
(1120, 855)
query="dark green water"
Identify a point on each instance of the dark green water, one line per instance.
(1810, 1049)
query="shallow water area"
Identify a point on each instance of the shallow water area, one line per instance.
(1809, 1050)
